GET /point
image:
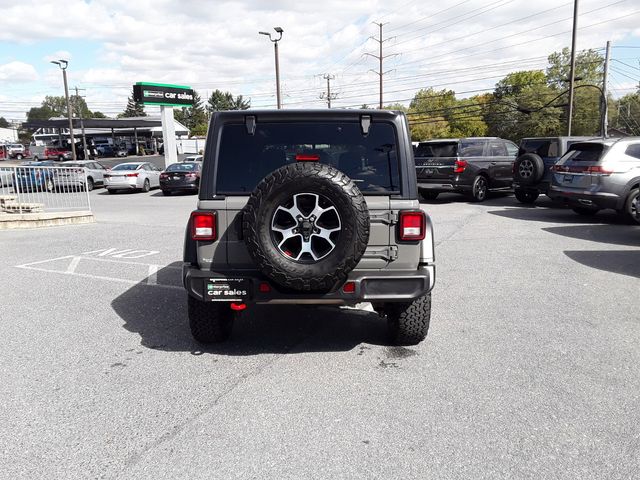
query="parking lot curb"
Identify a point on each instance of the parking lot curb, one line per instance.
(10, 221)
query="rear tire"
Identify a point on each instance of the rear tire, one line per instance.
(146, 186)
(526, 196)
(210, 322)
(479, 189)
(428, 195)
(586, 211)
(632, 205)
(19, 156)
(408, 322)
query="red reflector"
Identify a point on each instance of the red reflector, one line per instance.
(349, 287)
(264, 287)
(238, 306)
(412, 225)
(460, 165)
(203, 226)
(307, 158)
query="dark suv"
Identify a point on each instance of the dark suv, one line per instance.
(315, 207)
(472, 166)
(532, 168)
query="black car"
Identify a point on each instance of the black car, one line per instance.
(181, 177)
(471, 166)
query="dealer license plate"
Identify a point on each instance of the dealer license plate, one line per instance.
(227, 289)
(429, 171)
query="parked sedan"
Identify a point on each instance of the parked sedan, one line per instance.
(132, 176)
(193, 158)
(75, 177)
(181, 177)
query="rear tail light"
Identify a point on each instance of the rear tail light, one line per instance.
(164, 175)
(600, 170)
(349, 287)
(264, 287)
(203, 226)
(459, 166)
(132, 174)
(307, 158)
(412, 225)
(190, 175)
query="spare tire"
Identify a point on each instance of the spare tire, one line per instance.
(306, 226)
(528, 169)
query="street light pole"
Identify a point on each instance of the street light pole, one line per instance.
(275, 49)
(63, 64)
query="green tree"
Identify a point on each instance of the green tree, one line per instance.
(4, 123)
(97, 114)
(589, 68)
(193, 117)
(396, 106)
(626, 115)
(133, 108)
(220, 101)
(514, 83)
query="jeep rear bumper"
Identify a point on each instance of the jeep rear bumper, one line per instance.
(370, 286)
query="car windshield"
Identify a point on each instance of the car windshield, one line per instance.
(437, 149)
(370, 161)
(126, 166)
(182, 167)
(584, 152)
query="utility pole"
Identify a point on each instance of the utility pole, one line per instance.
(605, 101)
(84, 138)
(329, 96)
(572, 73)
(380, 57)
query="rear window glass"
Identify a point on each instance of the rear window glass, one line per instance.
(437, 149)
(370, 161)
(543, 148)
(182, 167)
(584, 152)
(127, 166)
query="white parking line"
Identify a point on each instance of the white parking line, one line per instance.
(151, 270)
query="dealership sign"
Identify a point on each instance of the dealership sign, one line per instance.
(163, 94)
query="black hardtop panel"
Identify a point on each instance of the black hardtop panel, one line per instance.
(308, 114)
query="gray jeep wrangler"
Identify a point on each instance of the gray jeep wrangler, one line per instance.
(312, 207)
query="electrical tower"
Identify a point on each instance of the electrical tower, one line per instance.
(381, 57)
(328, 95)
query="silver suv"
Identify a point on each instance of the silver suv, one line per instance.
(597, 175)
(309, 207)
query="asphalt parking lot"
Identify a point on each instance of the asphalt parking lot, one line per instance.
(531, 368)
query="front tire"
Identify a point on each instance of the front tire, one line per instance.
(90, 184)
(479, 189)
(408, 322)
(166, 192)
(49, 185)
(526, 196)
(210, 322)
(19, 156)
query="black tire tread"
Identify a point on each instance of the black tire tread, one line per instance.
(408, 322)
(294, 172)
(209, 322)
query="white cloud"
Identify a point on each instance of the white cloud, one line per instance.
(60, 54)
(17, 72)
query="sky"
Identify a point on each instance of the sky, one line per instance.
(466, 46)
